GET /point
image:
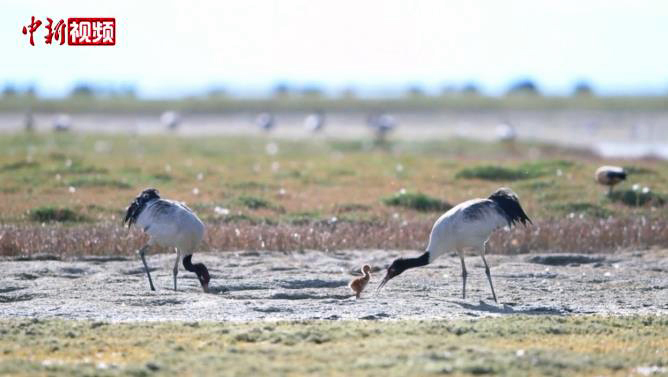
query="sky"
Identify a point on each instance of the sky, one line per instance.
(174, 48)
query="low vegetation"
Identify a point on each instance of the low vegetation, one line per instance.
(251, 199)
(513, 345)
(49, 214)
(638, 197)
(417, 201)
(523, 171)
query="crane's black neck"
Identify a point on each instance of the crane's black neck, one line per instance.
(198, 268)
(420, 261)
(402, 264)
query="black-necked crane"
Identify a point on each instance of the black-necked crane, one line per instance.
(62, 123)
(381, 125)
(171, 120)
(505, 133)
(265, 121)
(610, 176)
(315, 122)
(358, 284)
(168, 223)
(467, 225)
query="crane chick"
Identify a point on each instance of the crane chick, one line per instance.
(358, 285)
(610, 176)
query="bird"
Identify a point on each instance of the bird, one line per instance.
(381, 125)
(609, 176)
(62, 123)
(29, 121)
(358, 284)
(171, 120)
(169, 224)
(467, 225)
(265, 121)
(314, 122)
(505, 133)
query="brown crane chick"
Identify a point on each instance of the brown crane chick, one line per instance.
(358, 285)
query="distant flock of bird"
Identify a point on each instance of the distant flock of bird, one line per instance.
(466, 226)
(379, 124)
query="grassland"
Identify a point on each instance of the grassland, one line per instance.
(259, 193)
(295, 102)
(514, 345)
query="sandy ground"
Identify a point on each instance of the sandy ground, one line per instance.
(313, 285)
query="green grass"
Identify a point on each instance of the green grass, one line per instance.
(36, 170)
(524, 171)
(96, 181)
(637, 198)
(308, 103)
(18, 165)
(252, 202)
(52, 214)
(513, 345)
(417, 201)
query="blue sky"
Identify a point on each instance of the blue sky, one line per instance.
(170, 48)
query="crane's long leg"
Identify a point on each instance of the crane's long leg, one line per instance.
(141, 252)
(176, 266)
(464, 274)
(489, 275)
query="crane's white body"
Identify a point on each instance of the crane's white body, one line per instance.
(466, 225)
(265, 121)
(171, 224)
(62, 123)
(505, 132)
(170, 119)
(314, 122)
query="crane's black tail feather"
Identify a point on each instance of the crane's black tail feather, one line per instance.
(137, 205)
(510, 204)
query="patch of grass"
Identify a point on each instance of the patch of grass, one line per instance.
(251, 185)
(19, 165)
(417, 201)
(96, 181)
(351, 207)
(340, 172)
(584, 208)
(162, 177)
(638, 170)
(77, 167)
(241, 218)
(291, 174)
(524, 171)
(254, 202)
(52, 214)
(510, 345)
(637, 198)
(492, 173)
(301, 218)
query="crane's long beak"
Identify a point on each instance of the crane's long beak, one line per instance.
(205, 287)
(382, 283)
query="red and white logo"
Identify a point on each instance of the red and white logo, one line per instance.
(91, 31)
(80, 31)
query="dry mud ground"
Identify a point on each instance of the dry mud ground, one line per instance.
(250, 286)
